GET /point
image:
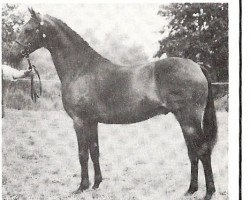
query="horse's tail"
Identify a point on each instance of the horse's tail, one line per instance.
(209, 118)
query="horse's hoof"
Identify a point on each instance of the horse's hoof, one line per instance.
(83, 186)
(191, 191)
(95, 186)
(209, 195)
(78, 191)
(98, 180)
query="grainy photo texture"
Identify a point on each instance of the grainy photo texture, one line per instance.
(115, 101)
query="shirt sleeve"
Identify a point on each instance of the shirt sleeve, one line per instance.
(10, 73)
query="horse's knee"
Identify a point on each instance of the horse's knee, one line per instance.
(204, 149)
(83, 156)
(196, 141)
(189, 130)
(94, 152)
(190, 133)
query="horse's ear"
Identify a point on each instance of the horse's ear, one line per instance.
(33, 13)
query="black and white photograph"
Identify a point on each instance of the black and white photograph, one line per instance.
(119, 101)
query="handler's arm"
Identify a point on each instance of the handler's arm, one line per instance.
(10, 73)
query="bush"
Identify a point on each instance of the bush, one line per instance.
(17, 96)
(221, 104)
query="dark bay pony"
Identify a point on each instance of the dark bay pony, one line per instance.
(96, 90)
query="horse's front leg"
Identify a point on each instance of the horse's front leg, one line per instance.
(82, 132)
(94, 153)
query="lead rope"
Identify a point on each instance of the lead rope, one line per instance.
(26, 52)
(33, 92)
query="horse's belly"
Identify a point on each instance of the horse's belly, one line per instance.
(133, 114)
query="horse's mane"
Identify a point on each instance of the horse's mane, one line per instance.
(68, 30)
(78, 40)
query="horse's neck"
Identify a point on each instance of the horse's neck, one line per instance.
(68, 61)
(71, 54)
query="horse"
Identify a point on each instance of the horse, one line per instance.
(95, 90)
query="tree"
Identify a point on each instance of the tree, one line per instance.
(11, 22)
(198, 31)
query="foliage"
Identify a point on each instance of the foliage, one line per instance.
(12, 19)
(198, 31)
(17, 95)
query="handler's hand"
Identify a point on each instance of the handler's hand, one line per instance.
(28, 72)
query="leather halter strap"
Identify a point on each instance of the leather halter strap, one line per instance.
(26, 53)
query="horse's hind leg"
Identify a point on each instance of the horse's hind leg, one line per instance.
(194, 171)
(191, 131)
(198, 148)
(206, 161)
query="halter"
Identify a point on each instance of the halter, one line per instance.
(26, 53)
(26, 50)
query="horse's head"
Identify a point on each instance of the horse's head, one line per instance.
(31, 37)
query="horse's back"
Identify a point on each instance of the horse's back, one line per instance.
(181, 83)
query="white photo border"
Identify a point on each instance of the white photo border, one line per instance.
(234, 82)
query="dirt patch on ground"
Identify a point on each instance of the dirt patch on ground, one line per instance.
(147, 160)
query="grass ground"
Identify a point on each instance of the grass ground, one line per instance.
(143, 161)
